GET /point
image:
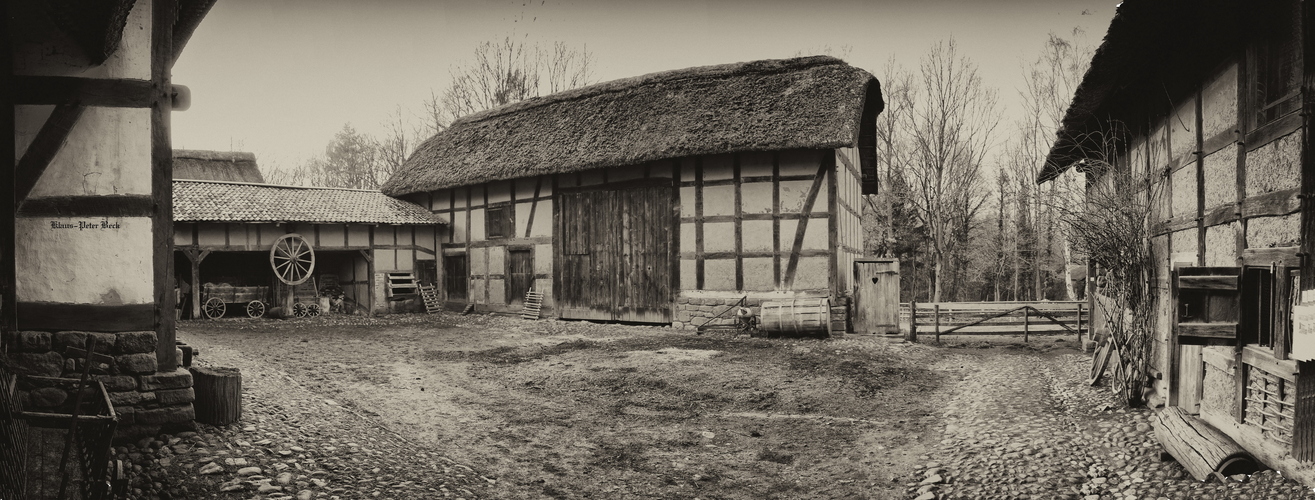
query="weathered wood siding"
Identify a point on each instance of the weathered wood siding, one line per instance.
(1223, 192)
(848, 228)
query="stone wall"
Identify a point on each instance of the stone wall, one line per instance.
(148, 398)
(693, 312)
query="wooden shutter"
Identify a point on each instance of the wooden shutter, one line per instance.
(1206, 305)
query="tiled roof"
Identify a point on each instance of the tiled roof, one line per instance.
(217, 201)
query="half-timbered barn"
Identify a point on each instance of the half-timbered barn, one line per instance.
(84, 246)
(660, 198)
(368, 248)
(1208, 105)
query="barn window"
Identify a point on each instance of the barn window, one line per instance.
(455, 278)
(499, 222)
(1276, 51)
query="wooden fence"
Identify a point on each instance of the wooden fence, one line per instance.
(996, 318)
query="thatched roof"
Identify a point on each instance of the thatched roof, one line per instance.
(1155, 52)
(217, 201)
(807, 102)
(232, 166)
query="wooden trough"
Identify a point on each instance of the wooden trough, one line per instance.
(1202, 449)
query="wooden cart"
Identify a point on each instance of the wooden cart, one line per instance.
(216, 297)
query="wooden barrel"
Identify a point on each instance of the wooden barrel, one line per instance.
(800, 316)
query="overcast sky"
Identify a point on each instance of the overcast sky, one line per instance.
(280, 77)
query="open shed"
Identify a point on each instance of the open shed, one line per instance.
(372, 247)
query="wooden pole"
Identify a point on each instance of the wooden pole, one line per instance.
(912, 335)
(1026, 316)
(196, 283)
(1080, 327)
(936, 311)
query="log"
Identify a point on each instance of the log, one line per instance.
(218, 394)
(1201, 449)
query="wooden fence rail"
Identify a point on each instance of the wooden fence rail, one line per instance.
(997, 318)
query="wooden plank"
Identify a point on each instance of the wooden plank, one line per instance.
(43, 147)
(88, 206)
(1273, 130)
(698, 228)
(739, 222)
(1275, 203)
(833, 221)
(1219, 141)
(70, 90)
(1222, 214)
(1259, 357)
(1207, 282)
(1284, 256)
(48, 316)
(163, 15)
(776, 218)
(1199, 447)
(1222, 359)
(1200, 182)
(1208, 330)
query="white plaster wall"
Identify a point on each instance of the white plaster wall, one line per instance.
(98, 264)
(63, 58)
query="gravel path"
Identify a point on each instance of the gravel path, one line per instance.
(1027, 425)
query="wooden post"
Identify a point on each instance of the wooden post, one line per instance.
(218, 394)
(1026, 317)
(1079, 328)
(912, 335)
(936, 311)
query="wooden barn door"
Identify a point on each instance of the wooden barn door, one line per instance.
(520, 275)
(615, 255)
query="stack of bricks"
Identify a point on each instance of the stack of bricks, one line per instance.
(148, 398)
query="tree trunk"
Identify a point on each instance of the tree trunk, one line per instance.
(218, 394)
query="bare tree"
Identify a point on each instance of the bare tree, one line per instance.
(1050, 82)
(951, 127)
(351, 160)
(504, 72)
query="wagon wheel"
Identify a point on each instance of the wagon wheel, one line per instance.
(255, 308)
(1101, 359)
(292, 258)
(214, 308)
(313, 310)
(299, 310)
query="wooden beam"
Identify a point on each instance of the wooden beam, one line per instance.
(71, 90)
(534, 205)
(802, 228)
(50, 316)
(43, 148)
(738, 223)
(163, 14)
(8, 271)
(88, 206)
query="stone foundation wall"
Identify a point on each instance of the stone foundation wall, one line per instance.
(693, 312)
(148, 398)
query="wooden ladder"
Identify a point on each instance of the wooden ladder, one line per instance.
(429, 294)
(533, 303)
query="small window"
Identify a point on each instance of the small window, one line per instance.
(1207, 305)
(1276, 51)
(499, 222)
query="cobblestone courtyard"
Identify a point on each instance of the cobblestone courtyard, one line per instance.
(999, 420)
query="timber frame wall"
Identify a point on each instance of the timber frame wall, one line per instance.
(757, 224)
(1229, 190)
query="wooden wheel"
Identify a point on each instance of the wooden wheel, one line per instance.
(299, 310)
(255, 309)
(214, 308)
(292, 258)
(313, 310)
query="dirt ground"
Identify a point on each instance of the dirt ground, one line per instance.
(582, 410)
